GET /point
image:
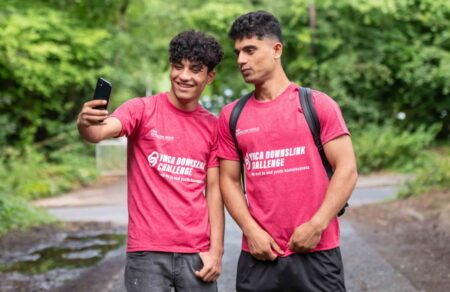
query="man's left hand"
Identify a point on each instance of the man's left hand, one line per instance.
(212, 266)
(305, 237)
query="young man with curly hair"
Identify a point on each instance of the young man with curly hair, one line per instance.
(289, 221)
(176, 219)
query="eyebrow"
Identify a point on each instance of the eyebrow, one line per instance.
(245, 48)
(197, 66)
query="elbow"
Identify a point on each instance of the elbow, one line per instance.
(226, 184)
(347, 173)
(352, 175)
(93, 140)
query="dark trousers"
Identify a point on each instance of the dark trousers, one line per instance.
(147, 271)
(302, 272)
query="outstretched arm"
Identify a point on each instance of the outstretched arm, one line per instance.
(212, 259)
(262, 246)
(94, 125)
(340, 154)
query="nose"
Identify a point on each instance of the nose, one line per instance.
(185, 74)
(241, 59)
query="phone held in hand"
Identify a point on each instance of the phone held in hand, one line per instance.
(102, 91)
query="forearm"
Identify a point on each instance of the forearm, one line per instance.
(92, 133)
(216, 221)
(95, 133)
(215, 211)
(338, 193)
(236, 204)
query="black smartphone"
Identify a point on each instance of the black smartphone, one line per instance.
(102, 91)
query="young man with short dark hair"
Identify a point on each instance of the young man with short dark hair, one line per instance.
(175, 231)
(289, 221)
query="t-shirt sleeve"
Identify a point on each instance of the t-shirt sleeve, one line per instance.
(332, 124)
(227, 148)
(129, 114)
(213, 160)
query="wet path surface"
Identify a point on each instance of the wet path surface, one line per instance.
(365, 270)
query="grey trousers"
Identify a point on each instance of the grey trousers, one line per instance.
(148, 271)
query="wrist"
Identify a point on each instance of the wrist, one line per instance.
(216, 250)
(319, 224)
(249, 228)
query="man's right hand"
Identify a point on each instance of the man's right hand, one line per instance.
(90, 116)
(95, 125)
(262, 245)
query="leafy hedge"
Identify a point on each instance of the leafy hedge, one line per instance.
(388, 147)
(434, 175)
(17, 213)
(31, 175)
(35, 172)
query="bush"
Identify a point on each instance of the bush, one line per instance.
(31, 174)
(386, 147)
(16, 213)
(433, 176)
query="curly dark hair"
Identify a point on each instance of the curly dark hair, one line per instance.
(257, 23)
(195, 46)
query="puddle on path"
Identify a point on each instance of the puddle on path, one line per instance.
(73, 252)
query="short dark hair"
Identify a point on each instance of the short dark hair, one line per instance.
(257, 23)
(195, 46)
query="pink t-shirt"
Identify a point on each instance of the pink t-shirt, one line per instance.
(169, 152)
(285, 179)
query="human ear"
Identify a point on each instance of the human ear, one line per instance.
(210, 77)
(278, 50)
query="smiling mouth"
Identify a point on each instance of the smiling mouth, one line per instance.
(183, 85)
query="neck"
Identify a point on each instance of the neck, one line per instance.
(272, 87)
(187, 105)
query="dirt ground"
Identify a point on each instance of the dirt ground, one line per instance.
(17, 243)
(413, 235)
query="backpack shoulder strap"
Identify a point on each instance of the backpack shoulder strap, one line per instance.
(310, 114)
(234, 117)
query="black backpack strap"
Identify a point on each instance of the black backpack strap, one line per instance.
(234, 117)
(310, 114)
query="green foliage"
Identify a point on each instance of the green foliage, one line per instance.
(434, 175)
(32, 174)
(377, 58)
(388, 147)
(16, 213)
(49, 62)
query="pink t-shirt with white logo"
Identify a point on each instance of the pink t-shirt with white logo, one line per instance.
(285, 179)
(169, 152)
